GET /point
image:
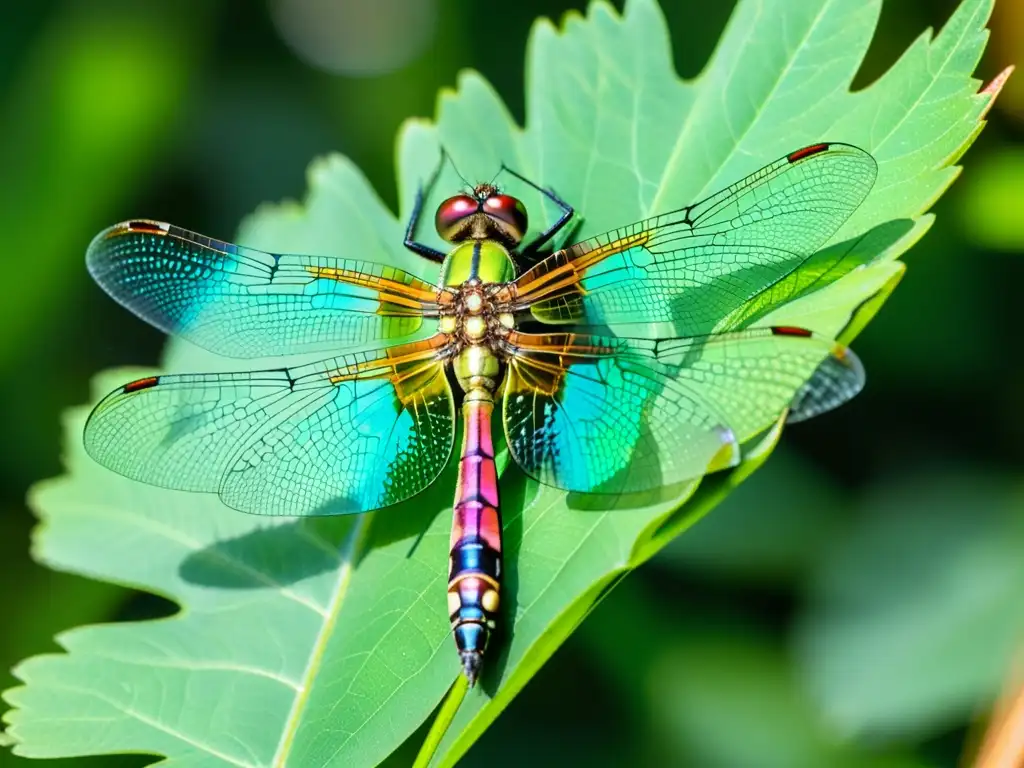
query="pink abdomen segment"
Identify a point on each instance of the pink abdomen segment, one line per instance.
(474, 577)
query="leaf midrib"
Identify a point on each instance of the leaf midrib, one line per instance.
(338, 749)
(347, 558)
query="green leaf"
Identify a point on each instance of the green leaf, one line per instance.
(326, 642)
(915, 612)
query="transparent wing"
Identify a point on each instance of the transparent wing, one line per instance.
(242, 302)
(350, 434)
(838, 379)
(694, 266)
(604, 414)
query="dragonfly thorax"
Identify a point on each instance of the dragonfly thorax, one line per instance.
(486, 261)
(474, 317)
(476, 270)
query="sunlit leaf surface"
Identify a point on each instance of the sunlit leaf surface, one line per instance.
(326, 642)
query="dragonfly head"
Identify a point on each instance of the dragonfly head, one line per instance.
(484, 214)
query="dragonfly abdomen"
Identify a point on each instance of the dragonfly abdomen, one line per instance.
(474, 578)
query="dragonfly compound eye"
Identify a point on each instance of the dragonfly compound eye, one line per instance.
(454, 215)
(509, 214)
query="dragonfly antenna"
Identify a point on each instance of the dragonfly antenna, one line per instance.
(444, 156)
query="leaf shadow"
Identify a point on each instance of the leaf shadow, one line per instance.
(280, 555)
(819, 271)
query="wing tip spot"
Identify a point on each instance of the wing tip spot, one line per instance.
(791, 330)
(813, 149)
(140, 384)
(845, 356)
(145, 226)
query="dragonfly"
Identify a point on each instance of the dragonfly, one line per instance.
(557, 341)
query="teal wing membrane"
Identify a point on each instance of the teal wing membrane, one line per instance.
(697, 265)
(241, 302)
(620, 415)
(350, 434)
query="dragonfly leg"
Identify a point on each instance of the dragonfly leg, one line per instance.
(528, 254)
(417, 210)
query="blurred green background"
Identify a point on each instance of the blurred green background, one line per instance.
(855, 604)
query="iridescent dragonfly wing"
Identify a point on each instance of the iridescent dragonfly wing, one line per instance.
(241, 302)
(605, 414)
(349, 434)
(695, 266)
